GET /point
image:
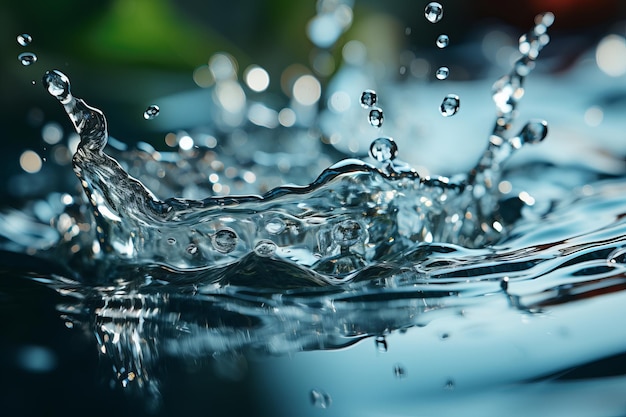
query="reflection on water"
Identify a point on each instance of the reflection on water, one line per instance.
(375, 290)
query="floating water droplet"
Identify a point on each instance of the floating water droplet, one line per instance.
(347, 233)
(433, 12)
(275, 226)
(58, 85)
(265, 248)
(368, 99)
(534, 131)
(320, 398)
(27, 58)
(381, 344)
(171, 241)
(442, 73)
(192, 249)
(376, 117)
(507, 91)
(450, 105)
(224, 240)
(151, 112)
(399, 371)
(24, 39)
(442, 41)
(383, 149)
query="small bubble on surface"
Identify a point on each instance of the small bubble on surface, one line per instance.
(442, 73)
(265, 248)
(368, 99)
(450, 105)
(399, 371)
(320, 399)
(433, 12)
(24, 39)
(171, 241)
(27, 58)
(275, 226)
(381, 344)
(442, 41)
(151, 112)
(192, 249)
(347, 233)
(376, 117)
(383, 149)
(224, 240)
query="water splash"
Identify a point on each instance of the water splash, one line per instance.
(337, 226)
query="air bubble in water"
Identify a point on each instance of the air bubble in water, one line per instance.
(320, 398)
(433, 12)
(265, 248)
(24, 39)
(224, 240)
(442, 73)
(381, 344)
(368, 99)
(151, 112)
(443, 41)
(450, 105)
(534, 131)
(399, 371)
(347, 233)
(376, 117)
(383, 149)
(27, 58)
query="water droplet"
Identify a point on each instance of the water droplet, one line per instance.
(450, 105)
(27, 58)
(383, 149)
(368, 99)
(275, 226)
(24, 39)
(151, 112)
(192, 249)
(224, 240)
(265, 248)
(442, 73)
(506, 92)
(444, 336)
(442, 41)
(376, 117)
(58, 85)
(381, 344)
(171, 241)
(347, 233)
(504, 284)
(399, 371)
(433, 12)
(534, 131)
(320, 398)
(546, 19)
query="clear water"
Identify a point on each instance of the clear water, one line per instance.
(373, 290)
